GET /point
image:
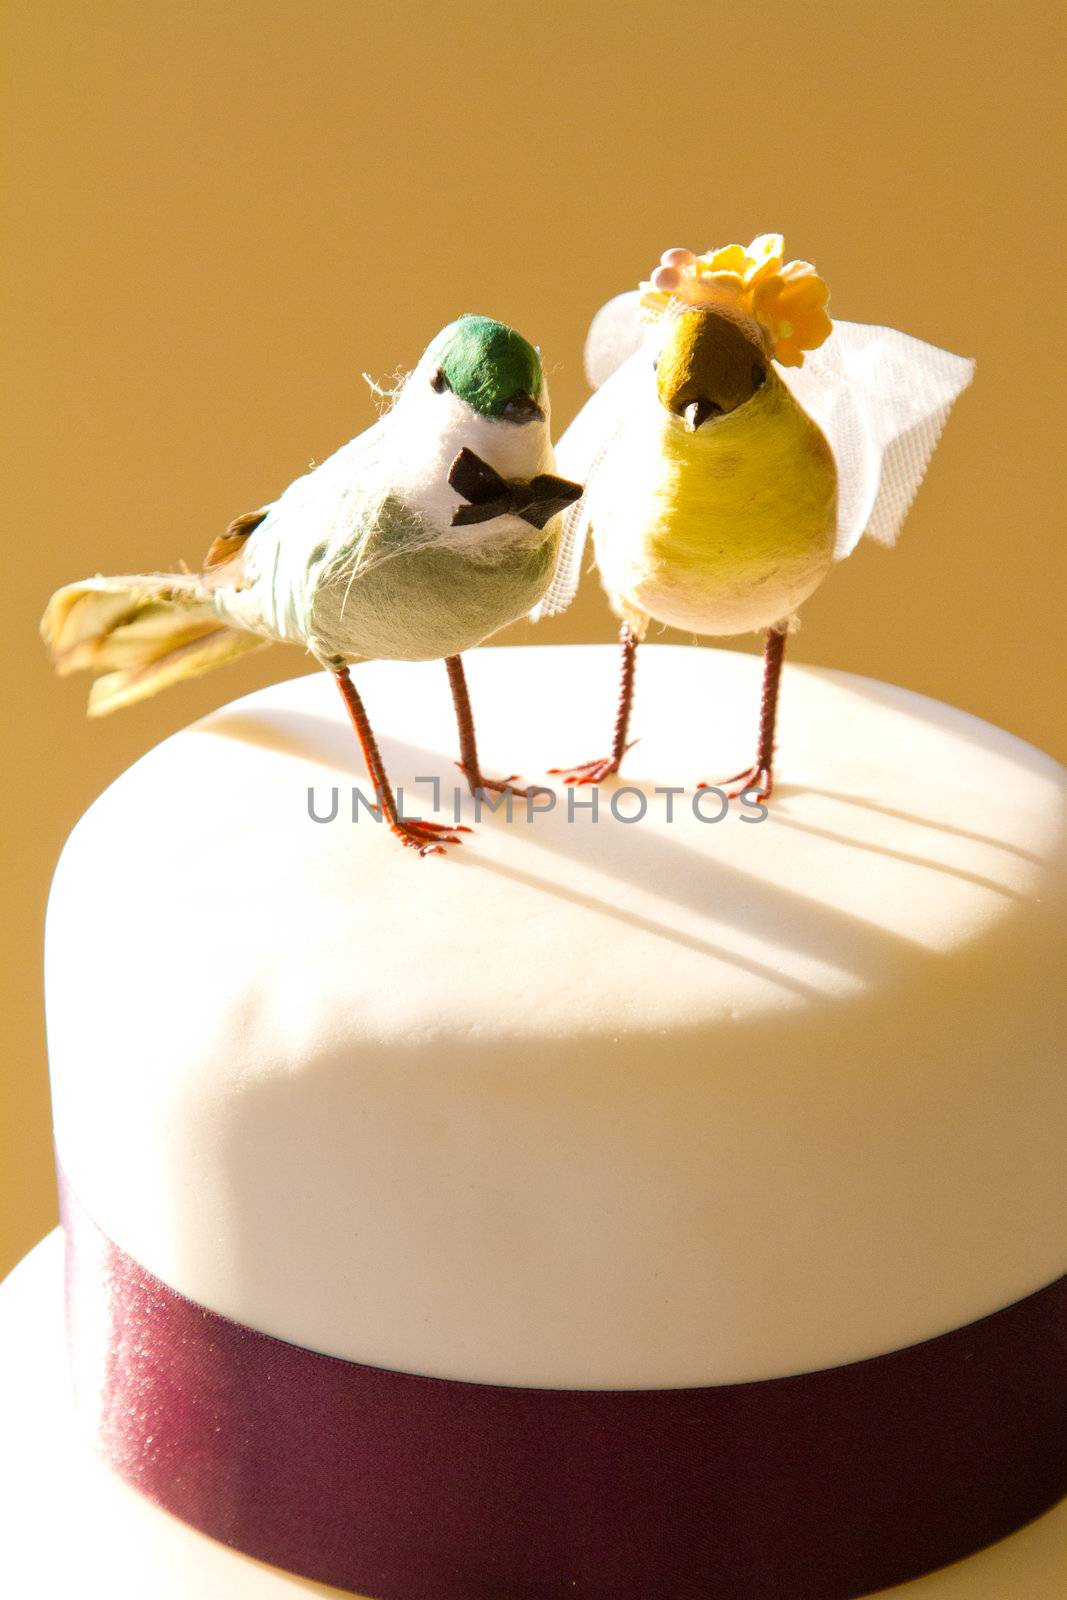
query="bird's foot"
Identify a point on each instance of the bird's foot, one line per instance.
(479, 783)
(591, 771)
(756, 782)
(428, 838)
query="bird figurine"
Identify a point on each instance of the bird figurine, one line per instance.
(738, 443)
(418, 539)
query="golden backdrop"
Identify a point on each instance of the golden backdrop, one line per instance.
(219, 217)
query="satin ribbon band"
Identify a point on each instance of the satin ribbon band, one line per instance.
(823, 1486)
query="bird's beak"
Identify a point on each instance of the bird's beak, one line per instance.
(522, 408)
(697, 412)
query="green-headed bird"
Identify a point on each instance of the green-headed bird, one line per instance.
(421, 537)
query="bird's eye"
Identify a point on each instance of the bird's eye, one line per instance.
(439, 383)
(759, 376)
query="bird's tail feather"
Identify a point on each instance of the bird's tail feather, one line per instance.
(137, 635)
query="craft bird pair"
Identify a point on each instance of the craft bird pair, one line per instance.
(718, 494)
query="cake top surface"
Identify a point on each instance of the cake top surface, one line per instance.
(902, 832)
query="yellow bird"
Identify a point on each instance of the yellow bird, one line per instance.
(712, 492)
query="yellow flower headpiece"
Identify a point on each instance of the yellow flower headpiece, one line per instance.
(787, 300)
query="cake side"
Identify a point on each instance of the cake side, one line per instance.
(589, 1103)
(132, 1548)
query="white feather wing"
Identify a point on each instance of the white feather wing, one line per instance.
(332, 504)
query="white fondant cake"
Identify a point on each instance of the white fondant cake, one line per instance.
(591, 1103)
(583, 1104)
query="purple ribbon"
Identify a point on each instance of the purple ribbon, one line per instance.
(823, 1486)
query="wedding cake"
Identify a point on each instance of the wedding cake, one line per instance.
(659, 1196)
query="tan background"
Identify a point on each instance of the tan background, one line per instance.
(220, 216)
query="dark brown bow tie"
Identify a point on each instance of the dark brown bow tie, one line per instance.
(489, 495)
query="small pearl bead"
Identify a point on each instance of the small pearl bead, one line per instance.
(678, 257)
(666, 278)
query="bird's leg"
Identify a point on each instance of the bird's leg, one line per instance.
(468, 762)
(595, 771)
(428, 838)
(758, 779)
